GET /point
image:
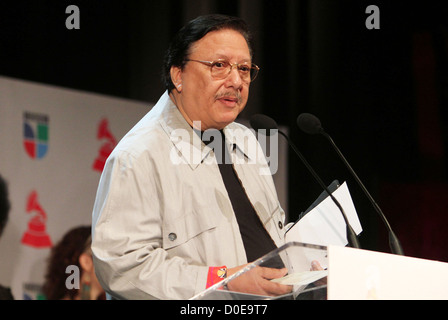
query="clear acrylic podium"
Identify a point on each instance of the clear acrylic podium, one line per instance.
(297, 258)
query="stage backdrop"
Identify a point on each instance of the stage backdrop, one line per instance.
(54, 143)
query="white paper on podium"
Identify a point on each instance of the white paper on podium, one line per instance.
(302, 278)
(324, 225)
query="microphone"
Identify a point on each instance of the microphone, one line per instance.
(312, 125)
(260, 121)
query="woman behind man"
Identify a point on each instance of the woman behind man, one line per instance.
(72, 250)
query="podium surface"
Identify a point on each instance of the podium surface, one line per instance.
(296, 258)
(351, 274)
(356, 274)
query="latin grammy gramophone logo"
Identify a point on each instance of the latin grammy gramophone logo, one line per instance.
(36, 234)
(35, 134)
(104, 134)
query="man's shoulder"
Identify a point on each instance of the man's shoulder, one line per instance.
(147, 134)
(141, 139)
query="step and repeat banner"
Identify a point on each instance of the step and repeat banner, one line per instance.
(54, 143)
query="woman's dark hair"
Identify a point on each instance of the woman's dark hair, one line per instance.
(5, 205)
(66, 252)
(196, 29)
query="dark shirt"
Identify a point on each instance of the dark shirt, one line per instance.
(257, 241)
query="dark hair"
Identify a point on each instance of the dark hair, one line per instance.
(195, 30)
(5, 205)
(64, 254)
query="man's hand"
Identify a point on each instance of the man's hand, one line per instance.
(257, 281)
(315, 266)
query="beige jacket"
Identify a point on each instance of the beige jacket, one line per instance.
(162, 215)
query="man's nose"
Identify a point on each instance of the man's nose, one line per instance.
(234, 78)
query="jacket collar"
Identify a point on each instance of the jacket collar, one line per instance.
(189, 146)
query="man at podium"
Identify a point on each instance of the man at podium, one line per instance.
(184, 199)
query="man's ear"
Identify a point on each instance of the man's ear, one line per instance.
(176, 77)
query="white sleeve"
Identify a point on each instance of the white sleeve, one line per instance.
(128, 253)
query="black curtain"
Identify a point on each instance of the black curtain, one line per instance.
(317, 56)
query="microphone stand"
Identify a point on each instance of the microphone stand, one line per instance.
(351, 235)
(394, 243)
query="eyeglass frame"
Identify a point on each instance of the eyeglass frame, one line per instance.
(210, 64)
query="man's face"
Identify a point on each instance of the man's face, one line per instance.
(214, 102)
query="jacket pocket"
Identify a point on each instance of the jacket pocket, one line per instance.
(180, 230)
(277, 223)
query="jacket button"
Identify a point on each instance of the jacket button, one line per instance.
(280, 225)
(172, 236)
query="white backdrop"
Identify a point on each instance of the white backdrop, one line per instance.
(53, 144)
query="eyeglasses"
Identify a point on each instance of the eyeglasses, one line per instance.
(220, 69)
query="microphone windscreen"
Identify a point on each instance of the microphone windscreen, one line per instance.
(261, 121)
(309, 123)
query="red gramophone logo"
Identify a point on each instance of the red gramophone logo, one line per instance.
(109, 144)
(36, 235)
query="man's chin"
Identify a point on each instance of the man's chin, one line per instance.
(227, 119)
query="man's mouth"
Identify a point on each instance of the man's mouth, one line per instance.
(230, 100)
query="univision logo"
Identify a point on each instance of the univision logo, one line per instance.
(35, 134)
